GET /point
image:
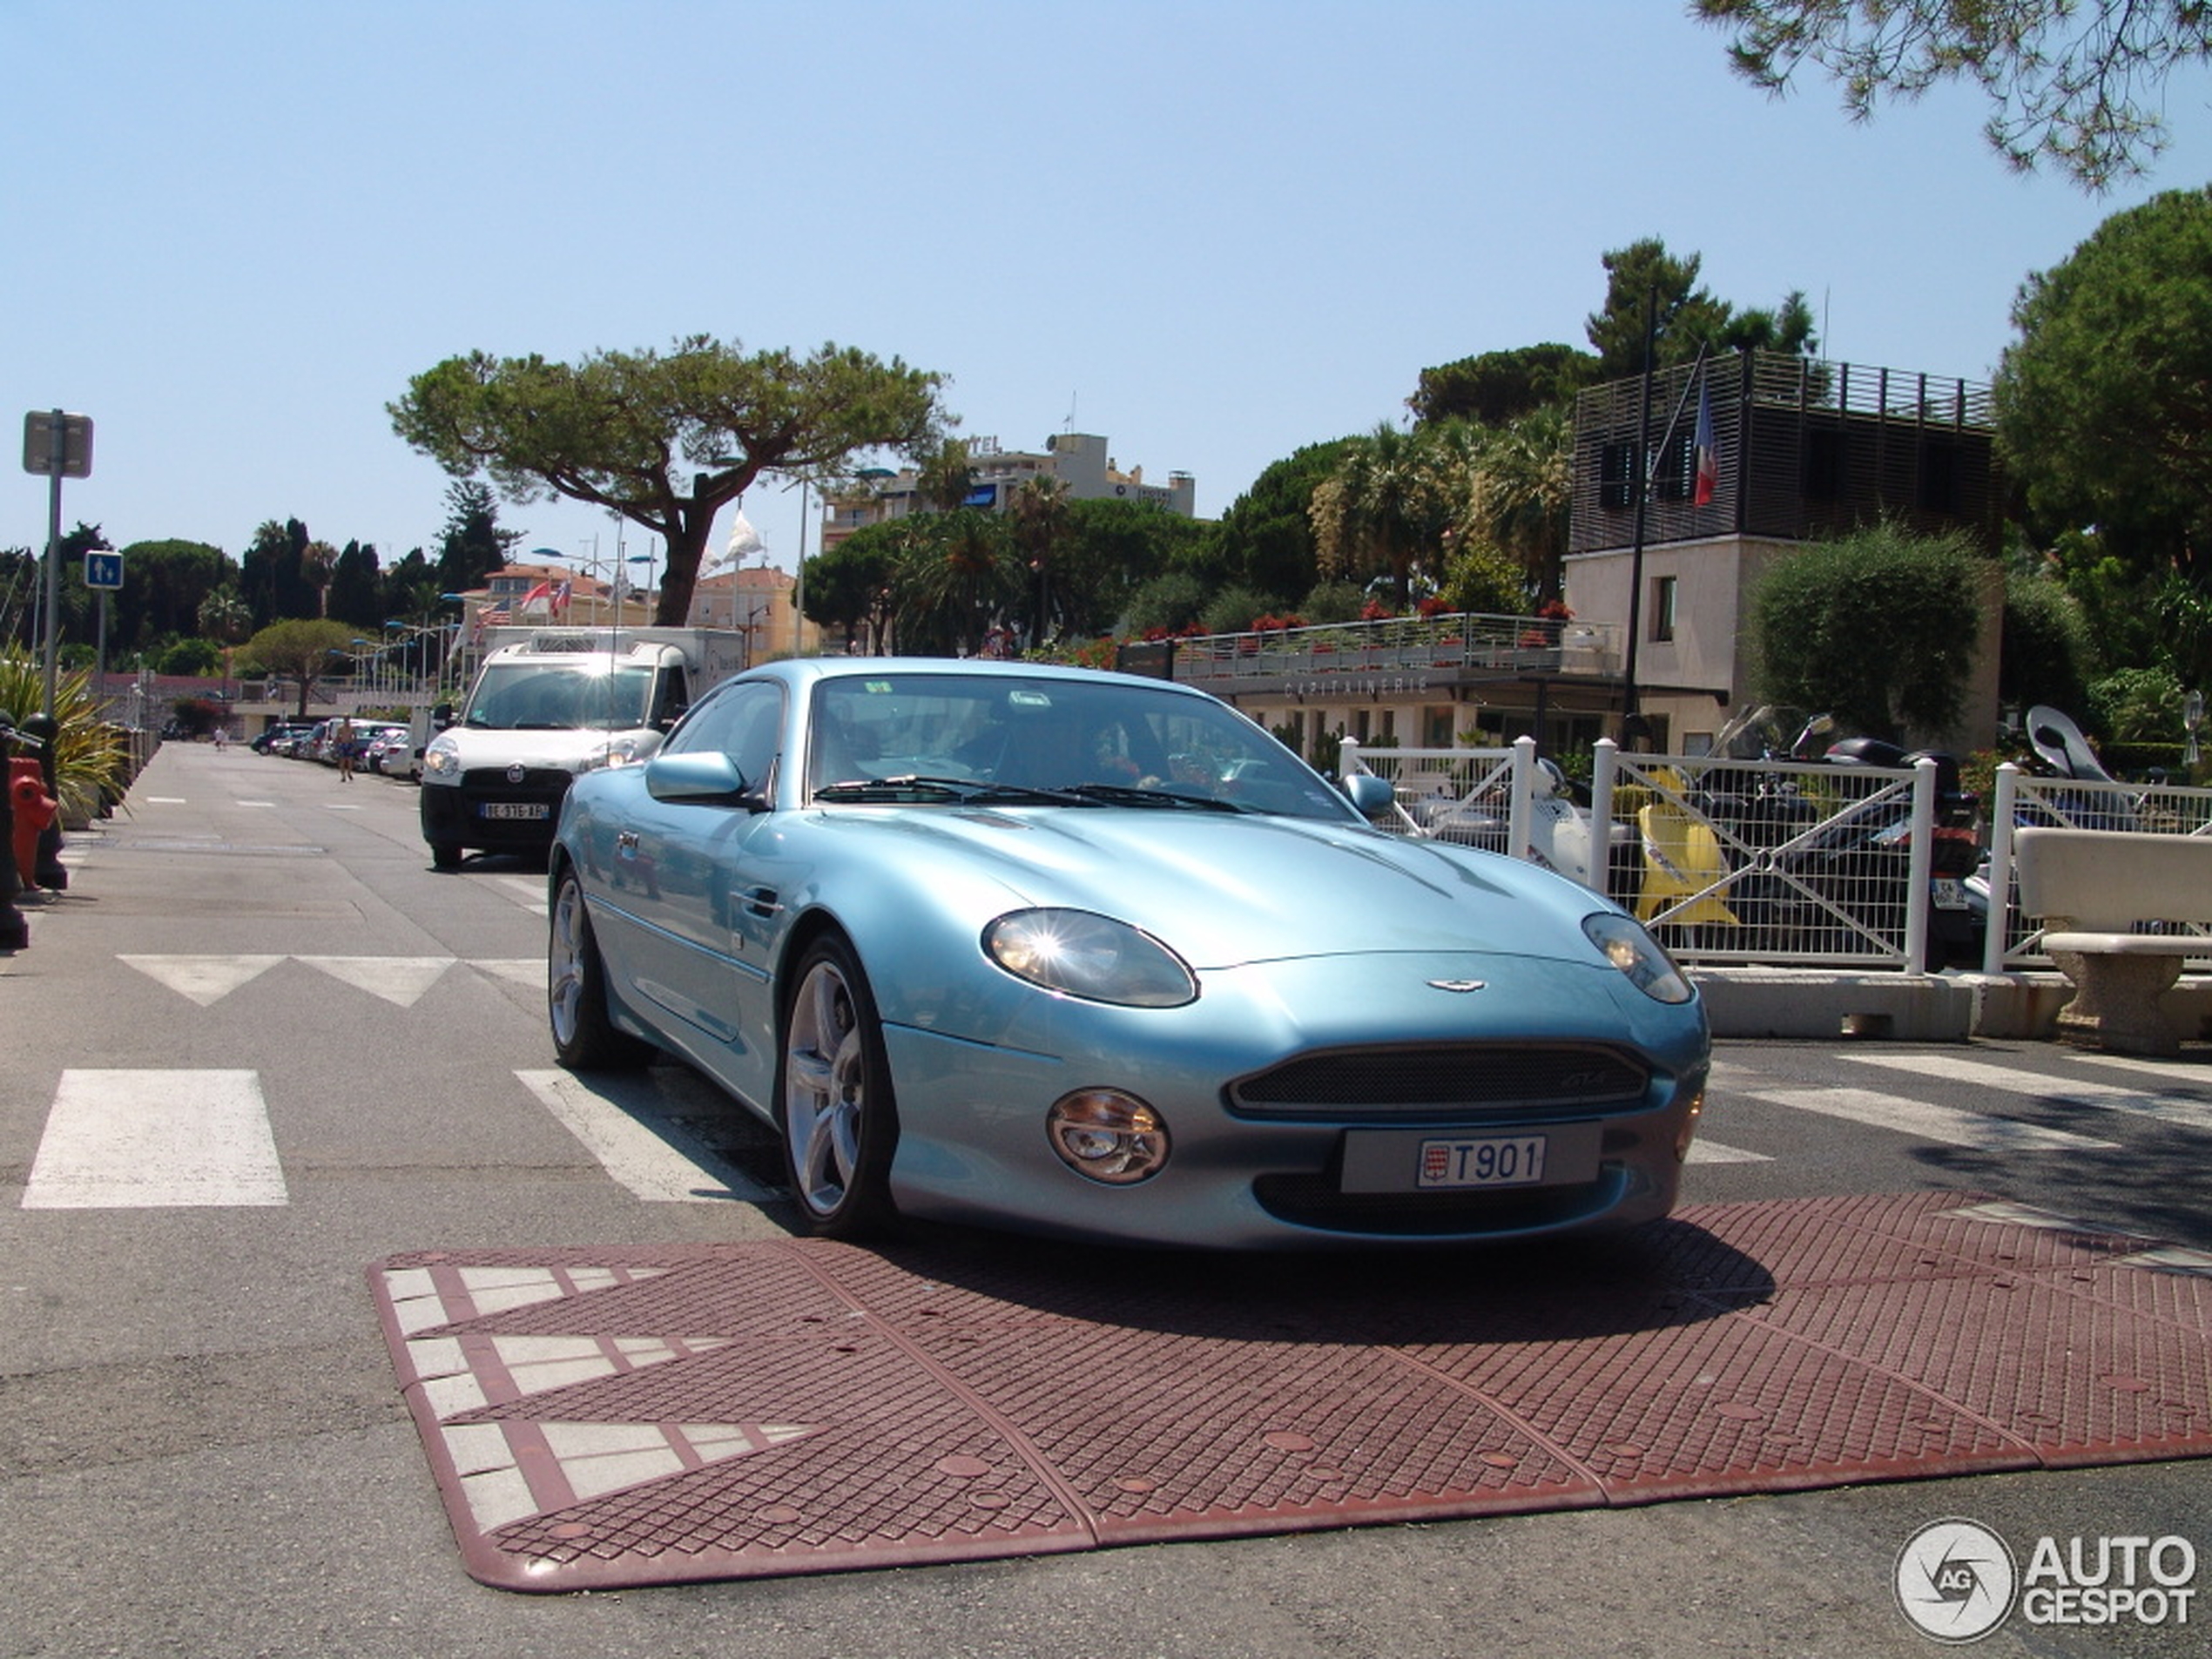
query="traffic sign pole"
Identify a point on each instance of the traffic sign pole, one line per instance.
(59, 445)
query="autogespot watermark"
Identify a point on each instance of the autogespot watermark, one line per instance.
(1956, 1580)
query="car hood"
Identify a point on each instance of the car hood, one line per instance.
(1223, 890)
(566, 747)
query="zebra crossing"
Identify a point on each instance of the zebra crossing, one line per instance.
(146, 1139)
(125, 1139)
(2170, 1093)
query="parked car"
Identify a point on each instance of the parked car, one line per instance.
(402, 756)
(379, 742)
(280, 737)
(1093, 955)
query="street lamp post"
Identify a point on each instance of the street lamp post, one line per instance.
(799, 581)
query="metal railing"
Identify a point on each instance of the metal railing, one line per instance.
(1780, 863)
(1456, 641)
(1764, 862)
(2023, 799)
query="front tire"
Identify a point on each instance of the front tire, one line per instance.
(834, 1089)
(584, 1037)
(445, 855)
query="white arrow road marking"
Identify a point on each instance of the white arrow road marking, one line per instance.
(206, 980)
(524, 970)
(145, 1139)
(399, 980)
(403, 980)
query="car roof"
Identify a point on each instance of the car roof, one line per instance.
(809, 671)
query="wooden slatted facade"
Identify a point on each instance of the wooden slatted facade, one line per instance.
(1806, 448)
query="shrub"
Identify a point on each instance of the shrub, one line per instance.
(90, 760)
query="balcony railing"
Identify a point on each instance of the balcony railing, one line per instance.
(1461, 644)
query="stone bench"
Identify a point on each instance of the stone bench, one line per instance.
(2090, 890)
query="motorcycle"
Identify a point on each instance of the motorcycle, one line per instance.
(1956, 921)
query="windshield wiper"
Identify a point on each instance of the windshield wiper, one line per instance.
(965, 790)
(1129, 795)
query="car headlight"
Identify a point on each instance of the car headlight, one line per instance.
(441, 761)
(1637, 954)
(619, 752)
(1095, 957)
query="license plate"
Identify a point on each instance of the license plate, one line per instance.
(516, 809)
(1433, 1161)
(1949, 894)
(1491, 1161)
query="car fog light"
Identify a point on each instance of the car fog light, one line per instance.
(1108, 1136)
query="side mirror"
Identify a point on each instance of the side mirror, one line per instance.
(704, 775)
(1370, 796)
(442, 716)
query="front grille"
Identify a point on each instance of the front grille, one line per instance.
(538, 783)
(1476, 1080)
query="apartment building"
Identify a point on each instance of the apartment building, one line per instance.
(1079, 460)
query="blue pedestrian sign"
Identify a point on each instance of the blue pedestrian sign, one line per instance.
(102, 570)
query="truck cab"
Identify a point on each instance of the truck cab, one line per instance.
(548, 705)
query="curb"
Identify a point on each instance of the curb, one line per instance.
(1909, 1008)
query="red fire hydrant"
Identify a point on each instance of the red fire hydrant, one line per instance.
(34, 810)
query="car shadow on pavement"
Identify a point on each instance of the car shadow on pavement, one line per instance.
(1665, 1273)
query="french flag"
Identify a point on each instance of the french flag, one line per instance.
(1708, 457)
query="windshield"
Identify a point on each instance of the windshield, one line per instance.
(894, 738)
(568, 696)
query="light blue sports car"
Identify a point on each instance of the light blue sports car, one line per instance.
(1093, 955)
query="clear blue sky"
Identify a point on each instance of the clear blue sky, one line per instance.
(1213, 230)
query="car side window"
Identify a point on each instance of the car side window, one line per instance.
(743, 719)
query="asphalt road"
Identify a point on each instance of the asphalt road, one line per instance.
(202, 1446)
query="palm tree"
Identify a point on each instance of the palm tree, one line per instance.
(226, 619)
(1382, 511)
(956, 581)
(1526, 470)
(1042, 527)
(946, 475)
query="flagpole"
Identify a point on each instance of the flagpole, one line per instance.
(1632, 724)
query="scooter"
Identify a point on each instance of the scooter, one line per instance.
(2064, 753)
(1782, 865)
(1737, 854)
(1561, 834)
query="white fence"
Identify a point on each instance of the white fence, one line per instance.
(1778, 862)
(2023, 799)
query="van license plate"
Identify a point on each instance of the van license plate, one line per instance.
(516, 809)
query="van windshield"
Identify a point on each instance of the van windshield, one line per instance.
(565, 697)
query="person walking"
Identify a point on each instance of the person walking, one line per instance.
(341, 743)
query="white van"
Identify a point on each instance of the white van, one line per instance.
(547, 705)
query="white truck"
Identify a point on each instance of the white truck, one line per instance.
(549, 705)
